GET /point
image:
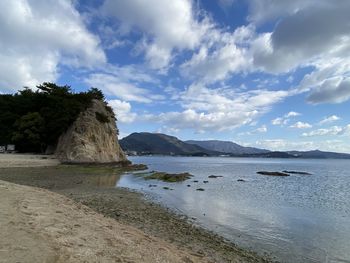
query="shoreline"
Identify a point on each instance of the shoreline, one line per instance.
(54, 228)
(93, 187)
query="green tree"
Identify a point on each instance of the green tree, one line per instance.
(96, 94)
(34, 120)
(29, 132)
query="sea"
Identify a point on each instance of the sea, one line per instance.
(299, 218)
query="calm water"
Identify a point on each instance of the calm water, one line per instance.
(300, 218)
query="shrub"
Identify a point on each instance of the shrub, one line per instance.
(101, 117)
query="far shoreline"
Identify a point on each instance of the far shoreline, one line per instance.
(236, 156)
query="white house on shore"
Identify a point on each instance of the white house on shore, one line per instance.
(9, 148)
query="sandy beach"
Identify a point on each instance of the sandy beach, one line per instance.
(27, 160)
(74, 214)
(40, 226)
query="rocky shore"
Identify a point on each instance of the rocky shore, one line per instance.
(93, 187)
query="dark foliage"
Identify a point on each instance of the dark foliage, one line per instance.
(32, 120)
(101, 117)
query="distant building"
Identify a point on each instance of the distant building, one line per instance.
(10, 148)
(131, 153)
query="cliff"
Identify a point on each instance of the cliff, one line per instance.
(92, 138)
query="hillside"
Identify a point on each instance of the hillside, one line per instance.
(227, 147)
(317, 154)
(157, 143)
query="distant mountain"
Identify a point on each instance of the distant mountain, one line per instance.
(157, 143)
(316, 154)
(227, 147)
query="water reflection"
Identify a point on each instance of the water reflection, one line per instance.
(297, 219)
(104, 180)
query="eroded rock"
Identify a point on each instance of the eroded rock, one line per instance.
(92, 138)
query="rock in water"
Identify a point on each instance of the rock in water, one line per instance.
(92, 138)
(272, 173)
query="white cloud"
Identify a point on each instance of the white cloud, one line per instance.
(287, 145)
(292, 114)
(262, 129)
(288, 47)
(113, 86)
(168, 25)
(215, 66)
(334, 90)
(18, 70)
(277, 121)
(285, 119)
(322, 44)
(263, 10)
(329, 119)
(36, 36)
(122, 110)
(167, 130)
(283, 145)
(127, 83)
(303, 38)
(334, 130)
(218, 109)
(301, 125)
(220, 55)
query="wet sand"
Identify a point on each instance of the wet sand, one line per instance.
(93, 187)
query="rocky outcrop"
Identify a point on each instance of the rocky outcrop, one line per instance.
(295, 172)
(92, 138)
(272, 173)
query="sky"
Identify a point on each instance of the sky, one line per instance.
(272, 74)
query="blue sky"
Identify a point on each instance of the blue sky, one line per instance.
(272, 74)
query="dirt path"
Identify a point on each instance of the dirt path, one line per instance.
(37, 225)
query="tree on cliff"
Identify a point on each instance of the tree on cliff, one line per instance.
(34, 120)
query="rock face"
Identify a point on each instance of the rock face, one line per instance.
(92, 138)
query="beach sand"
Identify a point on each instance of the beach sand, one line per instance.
(77, 215)
(27, 160)
(41, 226)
